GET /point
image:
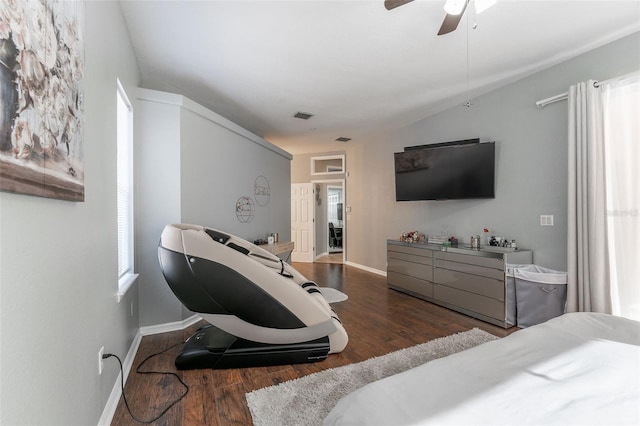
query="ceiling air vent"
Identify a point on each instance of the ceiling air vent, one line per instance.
(302, 115)
(343, 139)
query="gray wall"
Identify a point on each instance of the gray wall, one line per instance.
(531, 165)
(158, 185)
(220, 166)
(58, 274)
(193, 165)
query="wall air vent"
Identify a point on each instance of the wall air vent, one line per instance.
(302, 115)
(343, 139)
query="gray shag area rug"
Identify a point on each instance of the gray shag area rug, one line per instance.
(331, 295)
(308, 400)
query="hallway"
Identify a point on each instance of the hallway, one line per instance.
(330, 258)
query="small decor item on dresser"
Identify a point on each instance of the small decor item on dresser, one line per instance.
(485, 234)
(503, 243)
(437, 239)
(412, 237)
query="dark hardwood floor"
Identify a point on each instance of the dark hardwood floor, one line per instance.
(378, 320)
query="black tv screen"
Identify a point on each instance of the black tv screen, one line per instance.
(450, 172)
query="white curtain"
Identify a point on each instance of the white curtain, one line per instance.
(604, 191)
(621, 110)
(588, 277)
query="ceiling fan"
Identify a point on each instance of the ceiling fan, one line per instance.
(454, 10)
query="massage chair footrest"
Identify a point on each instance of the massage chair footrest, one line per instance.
(211, 347)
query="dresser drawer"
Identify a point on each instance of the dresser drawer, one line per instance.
(487, 262)
(417, 270)
(410, 258)
(411, 284)
(411, 250)
(476, 284)
(483, 271)
(472, 302)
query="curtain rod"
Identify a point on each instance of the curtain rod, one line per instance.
(557, 98)
(620, 77)
(562, 96)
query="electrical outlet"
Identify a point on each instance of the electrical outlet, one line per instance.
(546, 220)
(100, 360)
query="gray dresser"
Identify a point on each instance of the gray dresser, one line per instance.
(466, 280)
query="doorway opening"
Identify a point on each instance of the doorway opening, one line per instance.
(330, 229)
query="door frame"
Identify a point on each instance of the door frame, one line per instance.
(343, 183)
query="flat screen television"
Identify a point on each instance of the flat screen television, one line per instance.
(449, 172)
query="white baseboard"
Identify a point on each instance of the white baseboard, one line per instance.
(367, 268)
(170, 326)
(127, 363)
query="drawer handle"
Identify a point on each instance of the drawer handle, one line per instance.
(548, 291)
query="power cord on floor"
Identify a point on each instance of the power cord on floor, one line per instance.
(126, 403)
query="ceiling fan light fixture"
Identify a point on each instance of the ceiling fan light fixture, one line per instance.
(455, 7)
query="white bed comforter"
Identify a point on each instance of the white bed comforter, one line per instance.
(576, 369)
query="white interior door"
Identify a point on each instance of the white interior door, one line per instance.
(302, 219)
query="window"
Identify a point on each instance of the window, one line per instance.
(621, 108)
(327, 165)
(126, 276)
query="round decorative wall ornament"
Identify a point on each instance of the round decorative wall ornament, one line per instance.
(245, 209)
(261, 191)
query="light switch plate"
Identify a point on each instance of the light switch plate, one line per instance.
(546, 220)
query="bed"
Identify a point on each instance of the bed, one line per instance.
(579, 368)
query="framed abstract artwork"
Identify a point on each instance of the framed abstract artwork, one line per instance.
(41, 98)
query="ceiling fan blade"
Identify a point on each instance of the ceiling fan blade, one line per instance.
(451, 22)
(392, 4)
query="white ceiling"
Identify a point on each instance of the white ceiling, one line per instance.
(355, 65)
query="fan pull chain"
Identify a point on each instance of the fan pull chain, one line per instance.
(468, 103)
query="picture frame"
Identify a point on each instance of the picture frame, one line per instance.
(41, 98)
